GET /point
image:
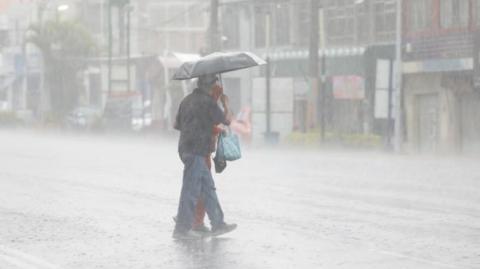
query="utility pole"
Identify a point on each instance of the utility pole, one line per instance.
(128, 9)
(313, 59)
(110, 46)
(390, 106)
(214, 40)
(323, 68)
(398, 81)
(268, 108)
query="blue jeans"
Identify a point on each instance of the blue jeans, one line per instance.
(197, 182)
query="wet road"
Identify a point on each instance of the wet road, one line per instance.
(98, 202)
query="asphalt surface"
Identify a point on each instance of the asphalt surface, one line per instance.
(79, 201)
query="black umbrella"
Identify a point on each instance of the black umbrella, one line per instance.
(216, 63)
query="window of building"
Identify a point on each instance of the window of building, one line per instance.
(302, 28)
(261, 13)
(282, 24)
(385, 20)
(230, 28)
(197, 18)
(176, 26)
(362, 24)
(454, 13)
(421, 14)
(92, 15)
(279, 17)
(157, 15)
(340, 23)
(177, 16)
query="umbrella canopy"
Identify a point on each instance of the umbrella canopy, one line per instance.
(216, 63)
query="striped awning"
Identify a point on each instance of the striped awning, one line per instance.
(303, 54)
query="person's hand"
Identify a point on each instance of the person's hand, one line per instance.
(222, 129)
(224, 99)
(217, 91)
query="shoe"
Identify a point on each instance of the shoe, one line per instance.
(223, 229)
(201, 229)
(188, 235)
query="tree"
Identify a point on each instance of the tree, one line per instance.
(65, 46)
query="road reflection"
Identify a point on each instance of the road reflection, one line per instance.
(211, 253)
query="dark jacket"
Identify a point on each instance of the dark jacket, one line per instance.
(197, 114)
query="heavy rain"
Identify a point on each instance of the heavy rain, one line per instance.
(232, 134)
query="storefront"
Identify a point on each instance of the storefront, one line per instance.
(441, 106)
(345, 88)
(350, 88)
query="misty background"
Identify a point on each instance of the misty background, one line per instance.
(360, 137)
(106, 65)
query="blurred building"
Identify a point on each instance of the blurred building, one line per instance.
(23, 90)
(441, 71)
(118, 80)
(147, 40)
(172, 25)
(20, 64)
(174, 31)
(354, 36)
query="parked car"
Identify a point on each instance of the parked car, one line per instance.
(126, 112)
(117, 114)
(83, 118)
(141, 120)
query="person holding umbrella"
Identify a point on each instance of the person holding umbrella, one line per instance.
(197, 114)
(199, 224)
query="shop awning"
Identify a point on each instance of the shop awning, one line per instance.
(303, 54)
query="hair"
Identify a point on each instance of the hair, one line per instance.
(206, 82)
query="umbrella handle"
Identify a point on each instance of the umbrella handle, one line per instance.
(221, 80)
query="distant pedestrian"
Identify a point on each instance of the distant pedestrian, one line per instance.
(197, 114)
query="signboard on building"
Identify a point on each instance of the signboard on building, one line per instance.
(349, 87)
(382, 84)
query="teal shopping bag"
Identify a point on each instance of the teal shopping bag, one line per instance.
(228, 147)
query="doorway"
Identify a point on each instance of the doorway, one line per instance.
(428, 122)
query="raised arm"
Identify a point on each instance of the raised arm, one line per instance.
(226, 108)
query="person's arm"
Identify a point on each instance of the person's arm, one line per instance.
(217, 115)
(226, 108)
(216, 130)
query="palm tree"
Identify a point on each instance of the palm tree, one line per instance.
(65, 46)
